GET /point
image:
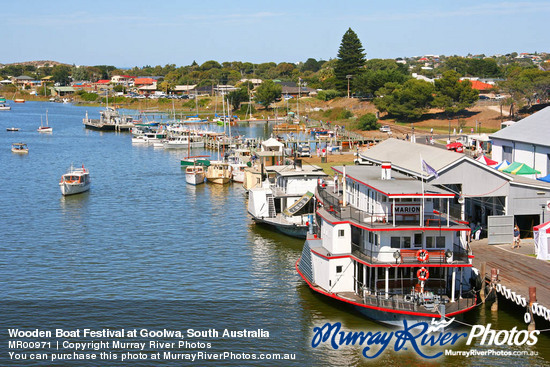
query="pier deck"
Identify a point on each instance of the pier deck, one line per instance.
(517, 270)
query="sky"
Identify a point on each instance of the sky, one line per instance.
(128, 33)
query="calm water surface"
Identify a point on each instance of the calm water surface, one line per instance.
(144, 248)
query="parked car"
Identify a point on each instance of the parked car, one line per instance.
(385, 129)
(304, 151)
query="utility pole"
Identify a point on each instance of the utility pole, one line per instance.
(348, 77)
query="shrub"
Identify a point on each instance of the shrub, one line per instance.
(326, 95)
(89, 97)
(368, 122)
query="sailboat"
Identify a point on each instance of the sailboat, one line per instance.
(45, 129)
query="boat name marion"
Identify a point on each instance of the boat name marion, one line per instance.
(401, 209)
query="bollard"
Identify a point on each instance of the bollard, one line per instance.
(532, 299)
(494, 280)
(483, 282)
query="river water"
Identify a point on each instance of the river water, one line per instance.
(143, 250)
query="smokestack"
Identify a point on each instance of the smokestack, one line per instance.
(386, 171)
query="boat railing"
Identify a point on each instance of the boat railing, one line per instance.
(332, 203)
(407, 303)
(412, 256)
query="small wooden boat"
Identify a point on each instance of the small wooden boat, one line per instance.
(19, 148)
(75, 181)
(219, 173)
(19, 100)
(12, 129)
(194, 175)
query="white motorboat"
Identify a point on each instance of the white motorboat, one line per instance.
(219, 173)
(194, 175)
(75, 181)
(238, 171)
(180, 142)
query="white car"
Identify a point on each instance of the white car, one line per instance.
(385, 129)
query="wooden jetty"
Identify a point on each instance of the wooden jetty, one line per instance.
(520, 278)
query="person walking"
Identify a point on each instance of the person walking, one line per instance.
(517, 240)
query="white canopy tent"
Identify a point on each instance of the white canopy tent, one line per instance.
(542, 241)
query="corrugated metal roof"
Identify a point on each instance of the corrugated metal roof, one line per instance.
(398, 185)
(534, 129)
(406, 155)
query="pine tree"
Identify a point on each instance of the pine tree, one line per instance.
(350, 59)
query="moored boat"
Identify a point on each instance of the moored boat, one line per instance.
(219, 173)
(194, 175)
(196, 160)
(284, 201)
(19, 148)
(75, 181)
(19, 100)
(382, 244)
(109, 120)
(12, 129)
(4, 107)
(183, 141)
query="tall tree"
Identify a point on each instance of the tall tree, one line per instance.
(267, 93)
(452, 94)
(409, 100)
(350, 59)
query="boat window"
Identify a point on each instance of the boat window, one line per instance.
(406, 242)
(429, 242)
(395, 242)
(418, 240)
(339, 269)
(440, 242)
(341, 233)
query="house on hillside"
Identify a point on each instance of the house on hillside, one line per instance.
(125, 80)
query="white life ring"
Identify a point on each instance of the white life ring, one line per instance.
(527, 318)
(523, 302)
(499, 287)
(534, 308)
(508, 293)
(541, 311)
(547, 314)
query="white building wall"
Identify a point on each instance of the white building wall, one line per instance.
(257, 202)
(326, 276)
(333, 242)
(535, 156)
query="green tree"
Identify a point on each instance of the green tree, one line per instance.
(79, 73)
(237, 97)
(311, 65)
(267, 93)
(368, 122)
(409, 100)
(60, 74)
(453, 95)
(377, 73)
(350, 59)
